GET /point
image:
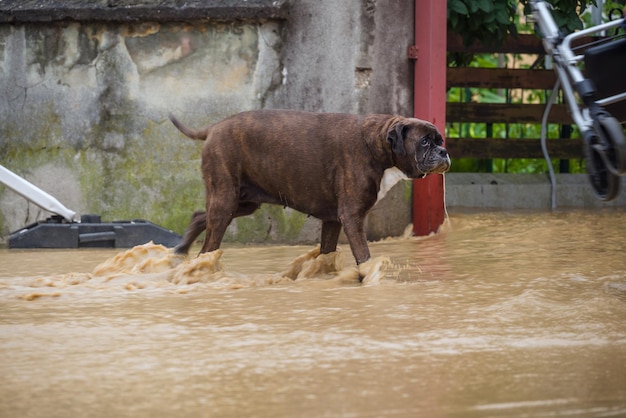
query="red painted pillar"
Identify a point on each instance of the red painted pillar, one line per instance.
(430, 105)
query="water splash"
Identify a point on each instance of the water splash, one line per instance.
(155, 267)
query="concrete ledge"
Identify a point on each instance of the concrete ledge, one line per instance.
(30, 11)
(523, 191)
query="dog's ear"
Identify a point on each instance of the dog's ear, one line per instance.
(395, 136)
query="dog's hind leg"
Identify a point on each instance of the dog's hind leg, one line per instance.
(221, 211)
(195, 228)
(218, 216)
(198, 224)
(330, 236)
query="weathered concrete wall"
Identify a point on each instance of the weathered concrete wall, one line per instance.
(88, 104)
(348, 56)
(85, 91)
(483, 191)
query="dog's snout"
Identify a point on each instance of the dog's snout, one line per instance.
(444, 158)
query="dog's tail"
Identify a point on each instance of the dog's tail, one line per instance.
(199, 134)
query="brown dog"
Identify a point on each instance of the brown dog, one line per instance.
(327, 165)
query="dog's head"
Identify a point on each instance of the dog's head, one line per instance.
(417, 147)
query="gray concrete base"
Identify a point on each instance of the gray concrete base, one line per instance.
(523, 191)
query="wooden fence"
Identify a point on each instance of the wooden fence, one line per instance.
(490, 147)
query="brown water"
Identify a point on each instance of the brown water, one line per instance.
(502, 315)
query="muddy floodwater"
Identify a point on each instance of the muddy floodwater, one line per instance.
(501, 315)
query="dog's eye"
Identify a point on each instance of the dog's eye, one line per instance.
(424, 141)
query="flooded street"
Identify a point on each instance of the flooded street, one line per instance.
(502, 315)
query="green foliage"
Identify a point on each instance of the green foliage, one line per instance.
(565, 12)
(612, 10)
(491, 21)
(482, 20)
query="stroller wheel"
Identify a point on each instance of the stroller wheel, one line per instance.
(611, 143)
(604, 182)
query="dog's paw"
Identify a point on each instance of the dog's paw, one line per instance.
(373, 270)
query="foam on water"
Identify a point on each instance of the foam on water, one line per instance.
(153, 267)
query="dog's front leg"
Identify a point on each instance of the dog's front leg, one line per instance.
(330, 236)
(354, 228)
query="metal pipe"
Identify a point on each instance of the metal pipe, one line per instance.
(544, 145)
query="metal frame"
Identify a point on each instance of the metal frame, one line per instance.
(601, 132)
(566, 62)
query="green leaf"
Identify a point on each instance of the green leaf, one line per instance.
(502, 16)
(458, 6)
(484, 5)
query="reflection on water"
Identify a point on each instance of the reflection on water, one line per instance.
(501, 315)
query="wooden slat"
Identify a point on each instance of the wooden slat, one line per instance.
(500, 78)
(505, 113)
(521, 44)
(513, 148)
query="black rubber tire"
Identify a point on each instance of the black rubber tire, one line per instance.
(612, 135)
(605, 183)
